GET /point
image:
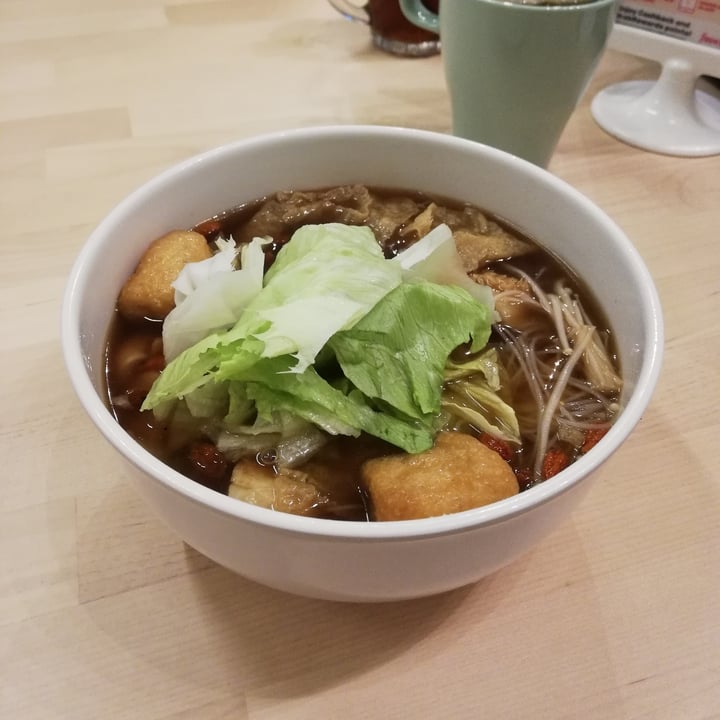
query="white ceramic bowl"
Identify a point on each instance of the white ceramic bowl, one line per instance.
(352, 560)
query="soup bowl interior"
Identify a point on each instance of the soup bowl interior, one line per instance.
(350, 560)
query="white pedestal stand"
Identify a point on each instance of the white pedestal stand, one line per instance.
(671, 115)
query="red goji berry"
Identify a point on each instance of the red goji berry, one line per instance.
(555, 460)
(592, 437)
(501, 447)
(207, 460)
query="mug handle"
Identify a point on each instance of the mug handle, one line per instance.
(419, 15)
(351, 11)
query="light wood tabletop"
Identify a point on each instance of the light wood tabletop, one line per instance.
(104, 613)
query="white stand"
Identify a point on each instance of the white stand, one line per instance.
(670, 116)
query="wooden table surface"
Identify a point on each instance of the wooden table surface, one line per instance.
(104, 613)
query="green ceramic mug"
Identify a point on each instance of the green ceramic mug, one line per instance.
(515, 71)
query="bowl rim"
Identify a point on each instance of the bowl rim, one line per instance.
(404, 530)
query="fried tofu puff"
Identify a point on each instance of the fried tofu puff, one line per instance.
(458, 473)
(148, 291)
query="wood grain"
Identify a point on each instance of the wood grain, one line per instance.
(105, 613)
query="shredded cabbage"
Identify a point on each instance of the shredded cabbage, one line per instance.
(210, 295)
(471, 394)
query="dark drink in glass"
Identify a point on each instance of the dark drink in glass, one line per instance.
(390, 29)
(388, 21)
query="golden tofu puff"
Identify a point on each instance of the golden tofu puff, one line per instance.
(458, 473)
(148, 292)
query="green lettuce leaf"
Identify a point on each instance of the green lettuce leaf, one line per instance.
(335, 338)
(397, 353)
(338, 409)
(324, 280)
(209, 401)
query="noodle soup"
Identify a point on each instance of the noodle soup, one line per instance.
(536, 396)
